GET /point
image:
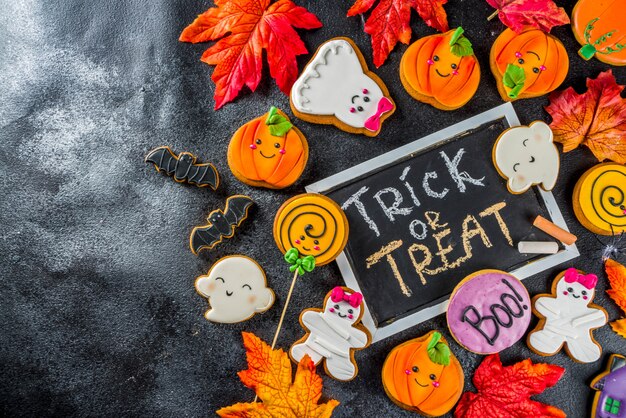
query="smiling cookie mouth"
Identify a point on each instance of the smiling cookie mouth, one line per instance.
(265, 156)
(229, 293)
(305, 248)
(424, 386)
(340, 315)
(576, 296)
(441, 75)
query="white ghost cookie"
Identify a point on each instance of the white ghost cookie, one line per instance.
(336, 88)
(334, 333)
(236, 288)
(526, 156)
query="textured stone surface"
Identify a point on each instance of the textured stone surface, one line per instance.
(99, 313)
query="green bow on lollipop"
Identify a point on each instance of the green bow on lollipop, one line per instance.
(302, 264)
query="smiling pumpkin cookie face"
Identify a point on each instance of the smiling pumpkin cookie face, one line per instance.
(268, 151)
(441, 70)
(314, 225)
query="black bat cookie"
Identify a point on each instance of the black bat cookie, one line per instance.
(221, 224)
(183, 167)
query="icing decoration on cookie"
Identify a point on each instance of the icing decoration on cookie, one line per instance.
(423, 375)
(600, 199)
(236, 288)
(337, 88)
(526, 156)
(610, 398)
(221, 224)
(314, 225)
(488, 311)
(183, 167)
(268, 151)
(600, 27)
(441, 70)
(529, 64)
(567, 318)
(334, 333)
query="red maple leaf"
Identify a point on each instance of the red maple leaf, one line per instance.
(244, 28)
(596, 118)
(542, 14)
(389, 22)
(505, 392)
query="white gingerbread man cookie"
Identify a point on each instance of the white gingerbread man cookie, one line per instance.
(526, 156)
(337, 88)
(567, 318)
(334, 333)
(236, 288)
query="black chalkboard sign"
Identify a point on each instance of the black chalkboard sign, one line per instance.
(426, 215)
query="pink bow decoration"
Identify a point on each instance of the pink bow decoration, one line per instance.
(373, 122)
(588, 280)
(338, 295)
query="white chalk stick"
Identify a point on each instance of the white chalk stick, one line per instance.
(538, 247)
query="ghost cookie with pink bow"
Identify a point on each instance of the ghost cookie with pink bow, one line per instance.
(567, 318)
(336, 88)
(334, 333)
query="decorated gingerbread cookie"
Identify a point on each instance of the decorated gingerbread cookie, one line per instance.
(600, 199)
(441, 70)
(600, 27)
(423, 375)
(314, 225)
(183, 167)
(567, 318)
(489, 311)
(236, 288)
(334, 333)
(268, 151)
(526, 156)
(529, 64)
(610, 398)
(336, 88)
(221, 224)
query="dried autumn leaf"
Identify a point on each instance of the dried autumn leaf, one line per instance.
(617, 279)
(269, 374)
(244, 28)
(505, 391)
(542, 14)
(389, 22)
(596, 118)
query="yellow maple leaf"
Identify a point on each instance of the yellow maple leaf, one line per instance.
(619, 327)
(269, 374)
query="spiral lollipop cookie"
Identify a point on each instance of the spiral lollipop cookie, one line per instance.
(600, 199)
(310, 229)
(314, 225)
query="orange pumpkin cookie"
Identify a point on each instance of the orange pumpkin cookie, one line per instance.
(422, 375)
(268, 151)
(441, 70)
(529, 64)
(600, 27)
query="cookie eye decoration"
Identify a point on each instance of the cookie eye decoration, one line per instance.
(441, 70)
(268, 151)
(600, 28)
(529, 64)
(433, 388)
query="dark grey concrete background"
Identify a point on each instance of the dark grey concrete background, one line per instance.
(99, 314)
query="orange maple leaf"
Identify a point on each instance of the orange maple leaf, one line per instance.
(244, 28)
(617, 279)
(269, 374)
(596, 118)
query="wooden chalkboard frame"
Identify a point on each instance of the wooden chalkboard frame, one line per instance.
(429, 143)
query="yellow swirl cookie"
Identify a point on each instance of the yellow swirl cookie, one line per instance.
(314, 225)
(600, 199)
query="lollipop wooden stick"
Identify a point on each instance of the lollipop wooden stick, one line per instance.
(282, 315)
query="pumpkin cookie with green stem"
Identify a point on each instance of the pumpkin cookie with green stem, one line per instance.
(268, 151)
(441, 70)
